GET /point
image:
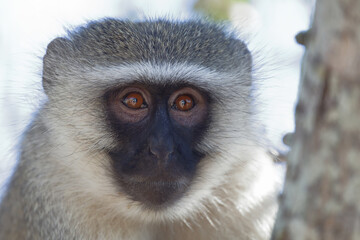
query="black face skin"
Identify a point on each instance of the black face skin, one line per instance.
(156, 160)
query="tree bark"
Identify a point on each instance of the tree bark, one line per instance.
(321, 198)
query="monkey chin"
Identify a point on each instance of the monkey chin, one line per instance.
(155, 194)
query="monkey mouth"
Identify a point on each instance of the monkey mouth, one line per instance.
(155, 193)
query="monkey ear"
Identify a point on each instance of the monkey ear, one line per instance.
(243, 62)
(57, 46)
(57, 52)
(244, 53)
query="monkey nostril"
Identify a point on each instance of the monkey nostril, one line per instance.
(152, 152)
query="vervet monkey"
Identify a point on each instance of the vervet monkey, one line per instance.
(148, 132)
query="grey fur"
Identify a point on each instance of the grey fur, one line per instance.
(62, 188)
(154, 41)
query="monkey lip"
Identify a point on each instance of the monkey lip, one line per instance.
(155, 193)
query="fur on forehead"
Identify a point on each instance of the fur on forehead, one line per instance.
(147, 48)
(113, 41)
(98, 79)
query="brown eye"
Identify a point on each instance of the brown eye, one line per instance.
(184, 103)
(134, 100)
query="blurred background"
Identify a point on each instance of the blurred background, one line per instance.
(269, 27)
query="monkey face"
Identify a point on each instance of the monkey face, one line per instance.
(156, 163)
(166, 108)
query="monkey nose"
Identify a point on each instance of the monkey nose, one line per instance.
(162, 149)
(162, 153)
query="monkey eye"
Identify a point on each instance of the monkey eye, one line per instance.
(183, 103)
(188, 106)
(134, 100)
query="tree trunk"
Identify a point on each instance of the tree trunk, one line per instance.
(321, 198)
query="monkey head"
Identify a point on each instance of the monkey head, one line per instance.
(162, 110)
